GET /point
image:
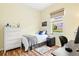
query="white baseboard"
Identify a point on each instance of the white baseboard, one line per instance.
(1, 49)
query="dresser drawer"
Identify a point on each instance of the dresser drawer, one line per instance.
(12, 46)
(13, 41)
(13, 34)
(12, 29)
(13, 38)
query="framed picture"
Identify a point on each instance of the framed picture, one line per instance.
(57, 26)
(44, 23)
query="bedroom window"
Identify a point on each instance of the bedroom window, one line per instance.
(57, 21)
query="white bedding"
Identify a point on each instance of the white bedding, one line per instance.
(41, 38)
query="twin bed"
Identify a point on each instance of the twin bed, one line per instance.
(30, 40)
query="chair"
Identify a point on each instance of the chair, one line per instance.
(64, 50)
(63, 40)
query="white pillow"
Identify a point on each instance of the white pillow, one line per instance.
(43, 33)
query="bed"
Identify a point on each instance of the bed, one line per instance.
(33, 39)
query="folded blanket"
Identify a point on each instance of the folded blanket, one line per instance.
(25, 43)
(32, 40)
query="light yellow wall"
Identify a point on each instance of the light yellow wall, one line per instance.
(71, 17)
(28, 18)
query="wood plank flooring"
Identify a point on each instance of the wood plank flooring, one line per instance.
(20, 52)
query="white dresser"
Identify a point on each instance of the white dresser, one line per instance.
(12, 38)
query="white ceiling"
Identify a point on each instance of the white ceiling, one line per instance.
(39, 6)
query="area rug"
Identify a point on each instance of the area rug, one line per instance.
(42, 49)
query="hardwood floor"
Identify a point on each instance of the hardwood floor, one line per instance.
(20, 52)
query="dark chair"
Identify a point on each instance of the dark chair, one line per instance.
(63, 40)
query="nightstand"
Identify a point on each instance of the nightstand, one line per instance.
(50, 41)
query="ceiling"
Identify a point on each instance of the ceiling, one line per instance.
(39, 6)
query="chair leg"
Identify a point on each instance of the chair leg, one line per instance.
(53, 54)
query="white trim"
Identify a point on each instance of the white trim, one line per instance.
(1, 49)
